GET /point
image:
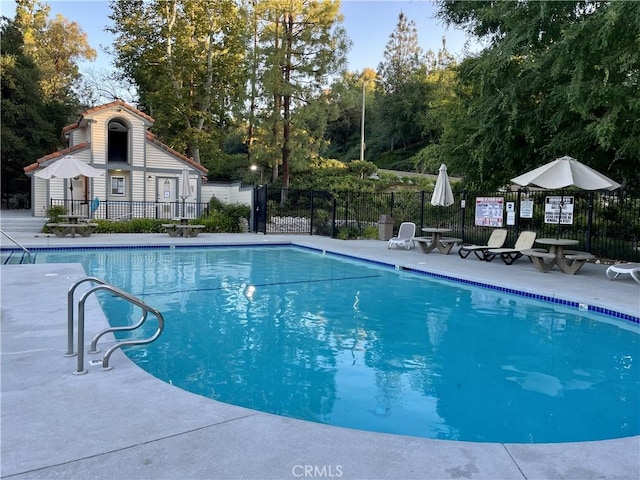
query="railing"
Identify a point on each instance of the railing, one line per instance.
(93, 349)
(126, 210)
(607, 224)
(24, 249)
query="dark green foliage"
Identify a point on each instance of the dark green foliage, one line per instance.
(557, 78)
(29, 124)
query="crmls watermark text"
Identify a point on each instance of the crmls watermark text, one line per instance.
(317, 471)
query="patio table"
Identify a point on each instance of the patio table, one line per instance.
(443, 244)
(569, 261)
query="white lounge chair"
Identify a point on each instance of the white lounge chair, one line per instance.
(525, 241)
(406, 232)
(632, 269)
(496, 240)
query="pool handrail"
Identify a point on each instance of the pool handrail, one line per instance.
(81, 310)
(24, 249)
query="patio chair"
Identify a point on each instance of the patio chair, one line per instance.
(632, 269)
(525, 241)
(496, 240)
(406, 232)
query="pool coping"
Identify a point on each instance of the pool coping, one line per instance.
(175, 434)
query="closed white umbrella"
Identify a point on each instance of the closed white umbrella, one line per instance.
(68, 167)
(185, 187)
(442, 194)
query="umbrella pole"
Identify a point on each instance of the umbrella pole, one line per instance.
(71, 188)
(560, 212)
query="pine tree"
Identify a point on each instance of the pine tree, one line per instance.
(403, 55)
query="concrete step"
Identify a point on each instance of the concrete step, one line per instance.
(20, 221)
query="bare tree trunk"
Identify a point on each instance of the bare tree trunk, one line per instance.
(286, 130)
(254, 74)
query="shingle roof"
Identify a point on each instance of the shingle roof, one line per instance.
(55, 156)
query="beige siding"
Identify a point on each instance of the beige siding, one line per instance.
(138, 186)
(147, 164)
(160, 159)
(137, 147)
(227, 193)
(39, 197)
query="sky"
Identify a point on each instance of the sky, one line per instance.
(368, 23)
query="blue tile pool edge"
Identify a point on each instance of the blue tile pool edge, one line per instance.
(544, 298)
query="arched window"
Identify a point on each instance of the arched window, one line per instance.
(118, 143)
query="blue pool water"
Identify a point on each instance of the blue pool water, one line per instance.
(330, 339)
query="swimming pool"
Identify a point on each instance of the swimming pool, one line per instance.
(361, 345)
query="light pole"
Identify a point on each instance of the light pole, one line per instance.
(362, 122)
(254, 168)
(364, 84)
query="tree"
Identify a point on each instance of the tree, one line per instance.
(300, 45)
(403, 56)
(556, 78)
(27, 132)
(186, 59)
(403, 84)
(55, 45)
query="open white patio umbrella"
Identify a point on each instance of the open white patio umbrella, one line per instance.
(185, 187)
(68, 167)
(566, 172)
(442, 194)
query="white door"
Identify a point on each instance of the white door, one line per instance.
(168, 197)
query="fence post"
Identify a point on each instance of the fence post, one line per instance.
(589, 221)
(463, 206)
(422, 210)
(517, 212)
(311, 216)
(333, 217)
(392, 201)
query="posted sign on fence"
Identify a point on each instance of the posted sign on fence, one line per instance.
(489, 211)
(552, 210)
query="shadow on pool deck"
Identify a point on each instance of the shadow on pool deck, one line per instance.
(126, 424)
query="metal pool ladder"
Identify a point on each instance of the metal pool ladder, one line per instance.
(22, 247)
(102, 285)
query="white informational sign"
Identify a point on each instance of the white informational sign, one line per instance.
(489, 211)
(511, 213)
(526, 208)
(552, 209)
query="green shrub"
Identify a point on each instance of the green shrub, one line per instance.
(54, 214)
(370, 232)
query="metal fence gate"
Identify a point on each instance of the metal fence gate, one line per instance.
(607, 224)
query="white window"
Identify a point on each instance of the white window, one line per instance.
(117, 185)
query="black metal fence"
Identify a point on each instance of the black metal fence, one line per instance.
(606, 224)
(126, 210)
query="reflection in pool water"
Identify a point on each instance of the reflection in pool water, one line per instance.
(333, 340)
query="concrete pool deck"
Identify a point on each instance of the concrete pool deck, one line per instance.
(126, 424)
